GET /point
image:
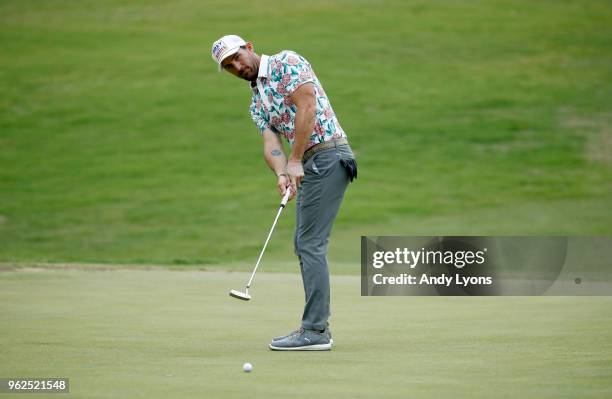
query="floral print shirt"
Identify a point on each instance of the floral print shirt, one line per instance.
(279, 76)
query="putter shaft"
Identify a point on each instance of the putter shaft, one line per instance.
(280, 209)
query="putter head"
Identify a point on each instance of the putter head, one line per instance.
(243, 296)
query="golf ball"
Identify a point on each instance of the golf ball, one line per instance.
(247, 367)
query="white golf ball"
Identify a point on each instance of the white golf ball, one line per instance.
(247, 367)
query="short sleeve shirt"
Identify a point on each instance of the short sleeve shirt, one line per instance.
(279, 76)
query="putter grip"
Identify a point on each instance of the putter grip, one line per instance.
(286, 197)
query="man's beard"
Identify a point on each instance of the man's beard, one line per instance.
(249, 74)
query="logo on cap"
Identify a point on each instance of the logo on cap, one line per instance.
(218, 49)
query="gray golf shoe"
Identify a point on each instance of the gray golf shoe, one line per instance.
(303, 340)
(299, 331)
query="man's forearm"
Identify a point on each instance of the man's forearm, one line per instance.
(275, 157)
(304, 125)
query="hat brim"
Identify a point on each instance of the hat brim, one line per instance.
(227, 54)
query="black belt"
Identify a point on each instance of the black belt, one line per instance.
(322, 146)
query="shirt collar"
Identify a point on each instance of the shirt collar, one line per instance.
(263, 67)
(263, 71)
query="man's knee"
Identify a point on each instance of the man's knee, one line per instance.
(312, 248)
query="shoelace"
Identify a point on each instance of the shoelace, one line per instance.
(296, 333)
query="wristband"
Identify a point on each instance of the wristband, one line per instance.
(282, 174)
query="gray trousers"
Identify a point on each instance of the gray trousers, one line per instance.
(317, 204)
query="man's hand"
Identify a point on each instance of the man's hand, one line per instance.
(296, 173)
(282, 184)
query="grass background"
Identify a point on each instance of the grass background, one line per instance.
(120, 142)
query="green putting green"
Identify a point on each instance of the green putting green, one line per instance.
(159, 334)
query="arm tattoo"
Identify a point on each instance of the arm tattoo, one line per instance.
(276, 153)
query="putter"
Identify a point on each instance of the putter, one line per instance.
(244, 296)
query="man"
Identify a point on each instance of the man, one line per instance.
(288, 100)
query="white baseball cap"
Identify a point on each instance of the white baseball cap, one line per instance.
(226, 46)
